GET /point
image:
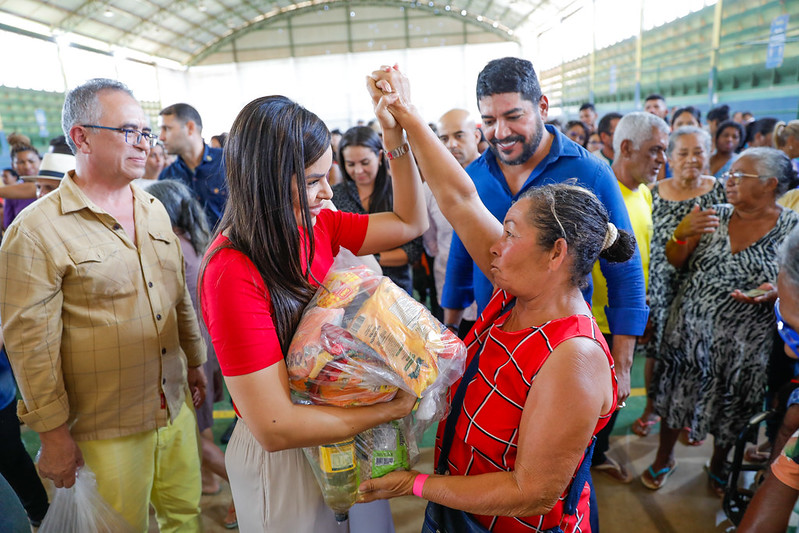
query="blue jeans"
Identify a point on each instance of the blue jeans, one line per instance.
(14, 519)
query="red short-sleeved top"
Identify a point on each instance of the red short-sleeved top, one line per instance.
(235, 302)
(487, 432)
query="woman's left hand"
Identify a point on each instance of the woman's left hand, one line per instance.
(383, 95)
(769, 295)
(392, 485)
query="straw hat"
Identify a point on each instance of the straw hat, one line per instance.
(53, 167)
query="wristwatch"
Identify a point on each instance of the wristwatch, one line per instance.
(399, 151)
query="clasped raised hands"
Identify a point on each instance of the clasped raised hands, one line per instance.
(391, 95)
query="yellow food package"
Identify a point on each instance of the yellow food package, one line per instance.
(402, 331)
(341, 288)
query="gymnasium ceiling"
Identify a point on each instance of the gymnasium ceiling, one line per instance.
(197, 32)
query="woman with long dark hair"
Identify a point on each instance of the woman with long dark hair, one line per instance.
(274, 245)
(366, 188)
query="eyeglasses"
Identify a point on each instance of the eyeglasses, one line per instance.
(737, 176)
(131, 136)
(788, 334)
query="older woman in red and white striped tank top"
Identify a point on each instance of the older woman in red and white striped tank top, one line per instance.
(544, 382)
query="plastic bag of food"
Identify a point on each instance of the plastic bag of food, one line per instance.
(361, 337)
(420, 350)
(81, 509)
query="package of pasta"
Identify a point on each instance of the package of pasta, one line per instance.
(362, 337)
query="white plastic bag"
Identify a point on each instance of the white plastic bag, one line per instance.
(81, 509)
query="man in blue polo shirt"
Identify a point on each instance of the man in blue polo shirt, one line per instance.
(524, 153)
(198, 166)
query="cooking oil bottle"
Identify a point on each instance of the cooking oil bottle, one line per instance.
(338, 476)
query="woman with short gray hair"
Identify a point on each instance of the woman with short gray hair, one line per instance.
(672, 200)
(710, 375)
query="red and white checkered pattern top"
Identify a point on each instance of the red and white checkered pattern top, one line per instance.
(487, 432)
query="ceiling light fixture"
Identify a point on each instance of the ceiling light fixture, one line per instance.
(108, 13)
(62, 40)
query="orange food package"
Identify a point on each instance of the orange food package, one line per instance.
(306, 357)
(335, 385)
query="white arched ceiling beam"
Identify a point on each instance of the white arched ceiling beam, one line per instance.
(297, 8)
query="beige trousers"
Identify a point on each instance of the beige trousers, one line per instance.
(274, 492)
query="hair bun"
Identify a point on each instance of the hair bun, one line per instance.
(621, 249)
(610, 236)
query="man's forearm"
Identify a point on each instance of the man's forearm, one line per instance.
(453, 317)
(18, 191)
(623, 351)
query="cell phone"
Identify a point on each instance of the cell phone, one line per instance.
(754, 293)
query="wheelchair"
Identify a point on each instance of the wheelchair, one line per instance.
(737, 494)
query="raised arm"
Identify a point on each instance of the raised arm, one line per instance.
(452, 187)
(408, 220)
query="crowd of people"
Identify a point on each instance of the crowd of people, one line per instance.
(142, 267)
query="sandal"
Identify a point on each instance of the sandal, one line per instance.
(230, 520)
(659, 478)
(717, 484)
(614, 469)
(685, 438)
(643, 425)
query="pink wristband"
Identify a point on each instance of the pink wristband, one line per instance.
(418, 483)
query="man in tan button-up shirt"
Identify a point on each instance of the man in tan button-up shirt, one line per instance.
(98, 323)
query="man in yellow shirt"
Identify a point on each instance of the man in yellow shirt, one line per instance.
(99, 325)
(639, 145)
